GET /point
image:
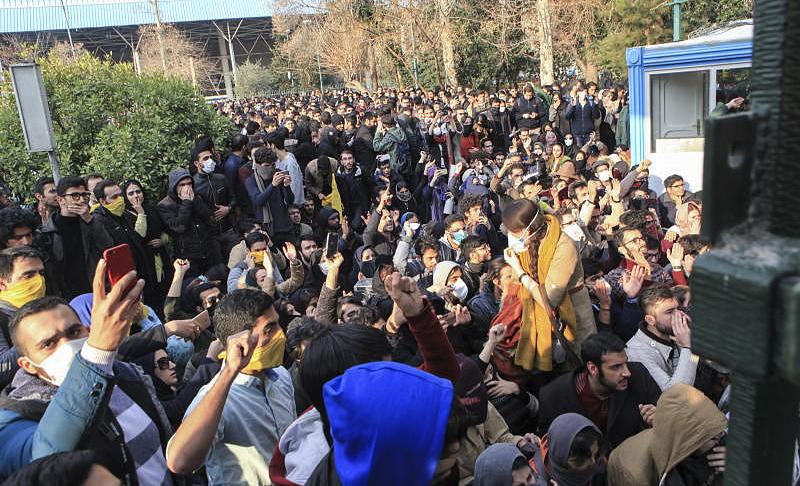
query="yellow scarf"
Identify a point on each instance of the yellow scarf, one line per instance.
(268, 356)
(117, 207)
(23, 291)
(334, 200)
(535, 346)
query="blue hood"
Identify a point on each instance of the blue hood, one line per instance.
(388, 423)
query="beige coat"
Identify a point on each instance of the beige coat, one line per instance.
(493, 431)
(684, 420)
(563, 278)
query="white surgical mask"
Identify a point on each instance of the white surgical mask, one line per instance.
(209, 165)
(519, 244)
(574, 231)
(604, 175)
(502, 109)
(414, 226)
(57, 364)
(460, 290)
(324, 267)
(568, 142)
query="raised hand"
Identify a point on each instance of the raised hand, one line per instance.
(675, 255)
(187, 329)
(405, 293)
(277, 178)
(289, 251)
(462, 315)
(681, 331)
(113, 312)
(239, 350)
(497, 333)
(632, 281)
(181, 266)
(512, 260)
(602, 290)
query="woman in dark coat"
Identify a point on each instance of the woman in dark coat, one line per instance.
(146, 221)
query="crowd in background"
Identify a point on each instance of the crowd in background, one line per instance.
(409, 287)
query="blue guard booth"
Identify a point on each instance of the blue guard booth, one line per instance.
(673, 89)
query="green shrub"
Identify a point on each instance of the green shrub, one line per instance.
(108, 120)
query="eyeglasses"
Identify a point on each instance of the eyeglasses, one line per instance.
(637, 240)
(163, 363)
(77, 196)
(677, 186)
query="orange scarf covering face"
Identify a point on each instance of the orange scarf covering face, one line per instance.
(528, 341)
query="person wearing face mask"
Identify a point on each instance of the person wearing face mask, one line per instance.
(450, 242)
(477, 254)
(581, 113)
(21, 281)
(571, 452)
(71, 390)
(544, 259)
(271, 194)
(234, 422)
(214, 190)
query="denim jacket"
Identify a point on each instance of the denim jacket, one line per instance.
(73, 415)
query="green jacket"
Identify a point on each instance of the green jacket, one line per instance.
(623, 134)
(389, 142)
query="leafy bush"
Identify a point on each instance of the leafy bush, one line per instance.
(252, 79)
(108, 120)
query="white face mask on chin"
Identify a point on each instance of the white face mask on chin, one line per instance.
(57, 364)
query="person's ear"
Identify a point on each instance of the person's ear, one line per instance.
(4, 284)
(650, 320)
(592, 368)
(26, 364)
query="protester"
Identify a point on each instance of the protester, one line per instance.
(479, 240)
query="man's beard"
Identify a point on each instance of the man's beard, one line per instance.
(610, 387)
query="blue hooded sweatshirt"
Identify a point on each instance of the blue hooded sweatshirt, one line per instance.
(388, 423)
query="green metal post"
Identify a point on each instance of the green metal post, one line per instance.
(746, 292)
(676, 21)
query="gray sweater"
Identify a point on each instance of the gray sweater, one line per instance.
(654, 354)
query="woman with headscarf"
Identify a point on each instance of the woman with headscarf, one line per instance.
(570, 454)
(144, 218)
(546, 263)
(175, 397)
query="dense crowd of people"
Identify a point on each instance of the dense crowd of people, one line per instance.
(404, 287)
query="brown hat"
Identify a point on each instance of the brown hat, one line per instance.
(566, 171)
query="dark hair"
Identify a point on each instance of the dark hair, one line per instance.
(599, 344)
(470, 201)
(334, 351)
(238, 311)
(581, 448)
(302, 328)
(524, 213)
(634, 218)
(253, 238)
(452, 219)
(13, 218)
(424, 244)
(692, 244)
(574, 187)
(652, 295)
(591, 266)
(493, 270)
(69, 182)
(619, 236)
(264, 155)
(10, 255)
(38, 188)
(519, 463)
(239, 142)
(347, 299)
(43, 304)
(388, 120)
(470, 244)
(100, 188)
(60, 469)
(277, 139)
(252, 127)
(670, 180)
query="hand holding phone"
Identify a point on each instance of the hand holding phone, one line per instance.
(331, 245)
(119, 262)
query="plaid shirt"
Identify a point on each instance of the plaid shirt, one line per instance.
(614, 277)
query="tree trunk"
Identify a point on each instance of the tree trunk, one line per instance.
(373, 68)
(545, 34)
(160, 36)
(448, 46)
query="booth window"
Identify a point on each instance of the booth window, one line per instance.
(679, 104)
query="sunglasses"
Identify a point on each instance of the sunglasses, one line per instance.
(163, 363)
